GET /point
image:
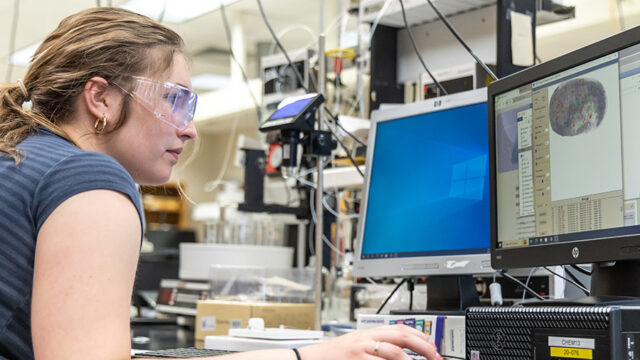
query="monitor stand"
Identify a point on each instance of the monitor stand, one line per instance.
(612, 283)
(447, 295)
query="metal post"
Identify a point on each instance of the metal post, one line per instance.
(319, 191)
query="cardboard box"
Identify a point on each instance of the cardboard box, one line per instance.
(216, 317)
(449, 335)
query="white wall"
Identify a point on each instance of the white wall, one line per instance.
(594, 20)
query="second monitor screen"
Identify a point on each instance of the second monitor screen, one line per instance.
(429, 188)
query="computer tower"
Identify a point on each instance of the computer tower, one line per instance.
(553, 332)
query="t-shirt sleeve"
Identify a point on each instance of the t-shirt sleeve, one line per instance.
(78, 173)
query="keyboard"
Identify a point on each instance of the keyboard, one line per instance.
(181, 353)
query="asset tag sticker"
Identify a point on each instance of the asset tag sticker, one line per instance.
(571, 353)
(580, 343)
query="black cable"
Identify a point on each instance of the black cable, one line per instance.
(581, 270)
(335, 120)
(286, 55)
(301, 80)
(295, 69)
(573, 277)
(537, 58)
(390, 295)
(453, 31)
(528, 289)
(410, 287)
(415, 48)
(579, 286)
(526, 283)
(347, 151)
(12, 39)
(585, 290)
(350, 134)
(310, 243)
(227, 31)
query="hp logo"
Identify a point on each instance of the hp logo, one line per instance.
(437, 103)
(575, 252)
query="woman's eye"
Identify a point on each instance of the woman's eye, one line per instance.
(170, 97)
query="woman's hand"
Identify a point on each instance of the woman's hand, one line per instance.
(385, 342)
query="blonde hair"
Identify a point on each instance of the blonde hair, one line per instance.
(111, 43)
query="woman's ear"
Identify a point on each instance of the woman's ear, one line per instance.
(98, 100)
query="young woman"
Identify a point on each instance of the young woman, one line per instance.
(106, 103)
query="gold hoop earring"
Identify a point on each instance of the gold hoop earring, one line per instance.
(100, 124)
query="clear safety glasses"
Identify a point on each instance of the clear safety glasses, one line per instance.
(171, 103)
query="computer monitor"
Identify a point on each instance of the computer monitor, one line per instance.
(565, 164)
(425, 208)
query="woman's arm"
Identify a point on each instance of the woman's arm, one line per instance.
(85, 264)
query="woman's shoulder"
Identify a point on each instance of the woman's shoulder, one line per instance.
(51, 153)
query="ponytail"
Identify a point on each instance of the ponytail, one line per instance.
(17, 121)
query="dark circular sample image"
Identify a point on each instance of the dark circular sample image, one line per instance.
(577, 107)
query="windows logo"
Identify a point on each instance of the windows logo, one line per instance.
(467, 179)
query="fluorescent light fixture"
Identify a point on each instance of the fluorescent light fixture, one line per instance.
(175, 11)
(210, 81)
(23, 56)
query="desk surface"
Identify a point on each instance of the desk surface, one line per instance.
(162, 336)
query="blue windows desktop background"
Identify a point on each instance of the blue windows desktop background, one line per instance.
(429, 186)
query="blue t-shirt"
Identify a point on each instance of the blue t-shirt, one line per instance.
(51, 171)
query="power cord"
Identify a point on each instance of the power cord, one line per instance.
(579, 286)
(343, 146)
(299, 76)
(410, 287)
(495, 292)
(284, 52)
(525, 287)
(580, 270)
(415, 48)
(573, 277)
(350, 134)
(453, 31)
(390, 295)
(524, 293)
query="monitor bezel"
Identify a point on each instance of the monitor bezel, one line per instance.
(587, 251)
(423, 265)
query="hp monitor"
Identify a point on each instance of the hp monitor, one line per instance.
(565, 164)
(425, 207)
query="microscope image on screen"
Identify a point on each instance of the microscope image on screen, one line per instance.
(577, 106)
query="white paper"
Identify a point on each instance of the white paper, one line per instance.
(521, 39)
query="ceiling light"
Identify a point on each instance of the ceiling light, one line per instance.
(175, 11)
